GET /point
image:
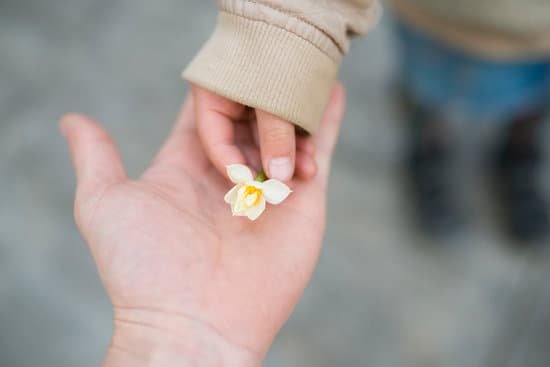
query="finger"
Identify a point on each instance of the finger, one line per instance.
(330, 128)
(306, 144)
(244, 134)
(95, 157)
(277, 146)
(252, 155)
(254, 132)
(215, 118)
(306, 167)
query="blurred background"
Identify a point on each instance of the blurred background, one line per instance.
(383, 294)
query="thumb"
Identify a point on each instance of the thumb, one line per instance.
(277, 145)
(330, 129)
(95, 157)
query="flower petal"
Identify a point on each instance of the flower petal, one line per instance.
(239, 173)
(231, 195)
(275, 191)
(235, 211)
(257, 210)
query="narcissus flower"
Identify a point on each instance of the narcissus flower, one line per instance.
(248, 197)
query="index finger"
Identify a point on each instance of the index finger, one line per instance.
(216, 116)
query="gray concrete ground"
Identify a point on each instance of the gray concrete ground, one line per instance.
(382, 294)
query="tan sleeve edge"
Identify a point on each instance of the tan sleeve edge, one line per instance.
(483, 43)
(265, 67)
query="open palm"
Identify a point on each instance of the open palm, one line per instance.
(169, 251)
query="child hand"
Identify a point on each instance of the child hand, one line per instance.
(233, 133)
(189, 283)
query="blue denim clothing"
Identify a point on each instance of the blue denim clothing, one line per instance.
(464, 86)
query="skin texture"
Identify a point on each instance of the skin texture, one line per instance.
(189, 283)
(233, 133)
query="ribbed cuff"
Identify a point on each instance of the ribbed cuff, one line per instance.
(265, 67)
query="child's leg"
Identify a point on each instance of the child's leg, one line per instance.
(426, 77)
(445, 84)
(518, 165)
(430, 169)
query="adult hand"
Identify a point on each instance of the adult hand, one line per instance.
(233, 133)
(189, 283)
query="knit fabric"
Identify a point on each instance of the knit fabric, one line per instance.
(281, 56)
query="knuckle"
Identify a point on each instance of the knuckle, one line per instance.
(279, 134)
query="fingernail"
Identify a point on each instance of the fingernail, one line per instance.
(280, 168)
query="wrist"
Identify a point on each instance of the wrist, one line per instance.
(150, 339)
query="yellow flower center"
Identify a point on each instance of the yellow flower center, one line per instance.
(250, 196)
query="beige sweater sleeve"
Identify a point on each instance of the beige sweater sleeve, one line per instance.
(280, 56)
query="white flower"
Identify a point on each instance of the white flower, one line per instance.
(248, 197)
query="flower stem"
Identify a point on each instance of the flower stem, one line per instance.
(261, 176)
